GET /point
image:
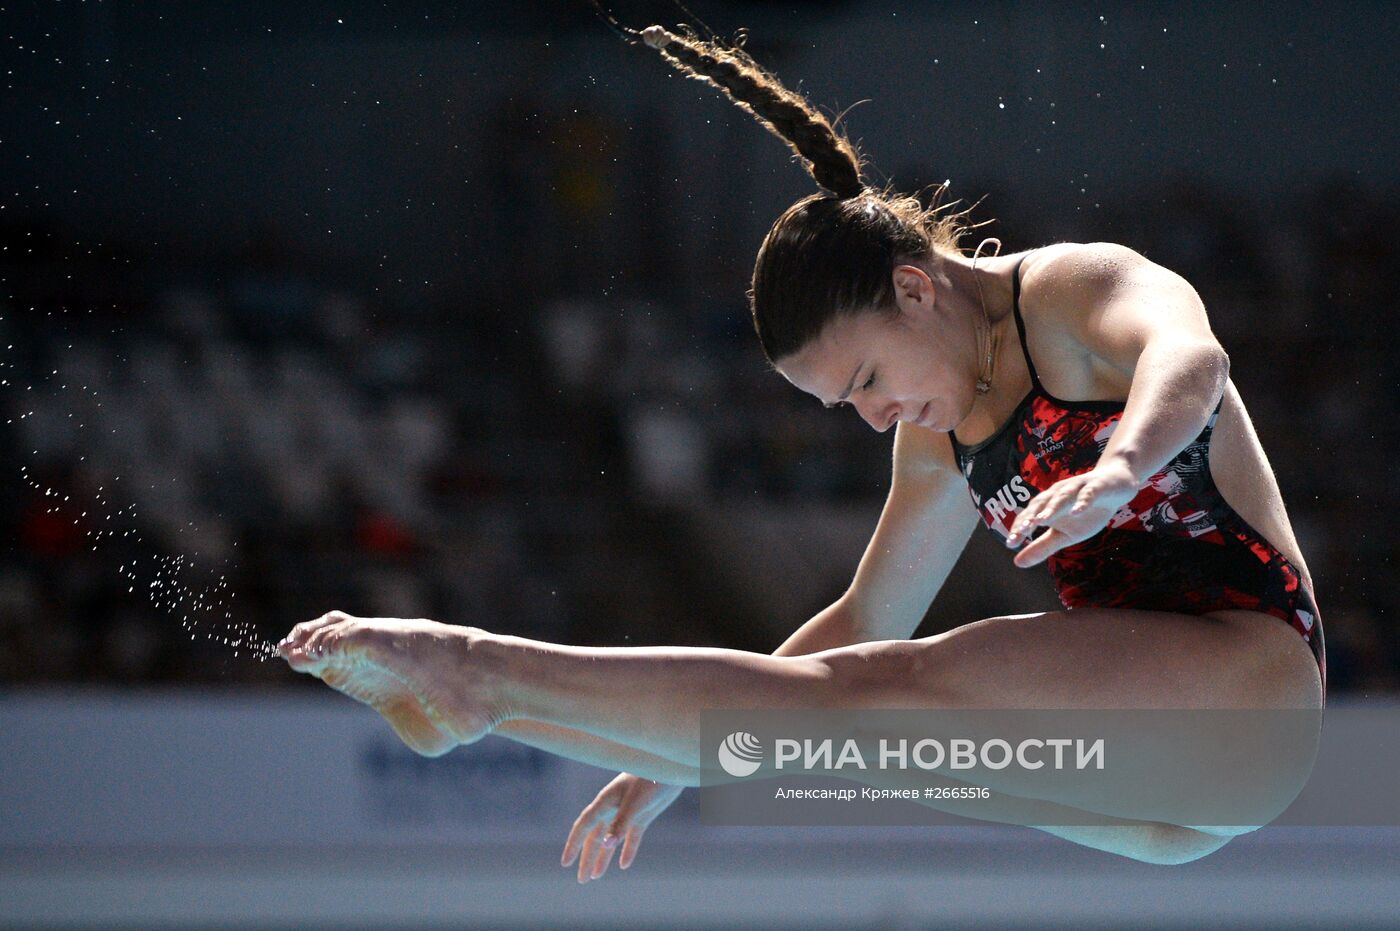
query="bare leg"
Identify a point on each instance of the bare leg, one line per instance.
(652, 698)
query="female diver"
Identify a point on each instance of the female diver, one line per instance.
(1076, 391)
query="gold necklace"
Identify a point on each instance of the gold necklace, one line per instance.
(984, 382)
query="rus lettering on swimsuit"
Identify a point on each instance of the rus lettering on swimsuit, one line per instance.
(1007, 501)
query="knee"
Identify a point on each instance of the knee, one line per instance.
(1224, 830)
(1172, 845)
(884, 674)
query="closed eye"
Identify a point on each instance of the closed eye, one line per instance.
(869, 382)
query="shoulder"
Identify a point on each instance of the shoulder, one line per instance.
(1079, 274)
(1109, 300)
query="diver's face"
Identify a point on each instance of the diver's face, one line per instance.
(912, 366)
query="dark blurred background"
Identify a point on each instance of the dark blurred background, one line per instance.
(437, 309)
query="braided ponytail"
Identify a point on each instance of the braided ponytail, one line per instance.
(830, 254)
(828, 156)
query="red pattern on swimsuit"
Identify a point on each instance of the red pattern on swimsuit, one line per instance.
(1177, 546)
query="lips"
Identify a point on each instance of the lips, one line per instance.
(922, 419)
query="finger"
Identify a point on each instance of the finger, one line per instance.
(582, 825)
(570, 847)
(1055, 502)
(625, 815)
(609, 847)
(1039, 549)
(1020, 530)
(598, 855)
(585, 860)
(629, 847)
(1083, 499)
(1032, 516)
(1021, 526)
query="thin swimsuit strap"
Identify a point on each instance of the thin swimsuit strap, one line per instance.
(1036, 386)
(1021, 326)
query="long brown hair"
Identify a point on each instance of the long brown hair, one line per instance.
(832, 253)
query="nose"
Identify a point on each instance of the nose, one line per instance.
(880, 415)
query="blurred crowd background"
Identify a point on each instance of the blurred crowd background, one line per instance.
(440, 311)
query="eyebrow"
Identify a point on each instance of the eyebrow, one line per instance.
(847, 393)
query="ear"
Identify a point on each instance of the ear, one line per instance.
(914, 291)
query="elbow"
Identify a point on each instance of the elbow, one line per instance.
(1207, 360)
(1222, 360)
(1219, 362)
(1199, 367)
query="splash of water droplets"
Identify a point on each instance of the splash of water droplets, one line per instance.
(177, 585)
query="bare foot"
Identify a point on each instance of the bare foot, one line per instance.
(416, 673)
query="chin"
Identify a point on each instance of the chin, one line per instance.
(932, 418)
(961, 416)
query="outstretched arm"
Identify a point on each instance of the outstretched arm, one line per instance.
(592, 749)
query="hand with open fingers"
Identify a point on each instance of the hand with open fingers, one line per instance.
(620, 813)
(1071, 510)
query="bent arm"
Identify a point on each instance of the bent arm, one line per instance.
(1122, 312)
(1150, 324)
(923, 528)
(1174, 392)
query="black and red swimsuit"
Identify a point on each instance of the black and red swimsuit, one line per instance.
(1177, 546)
